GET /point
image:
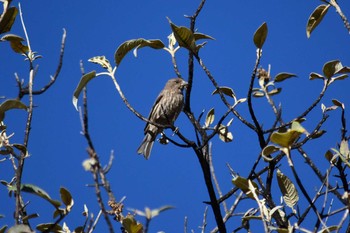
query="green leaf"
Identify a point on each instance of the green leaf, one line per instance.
(7, 19)
(331, 67)
(210, 117)
(224, 90)
(82, 83)
(127, 46)
(275, 91)
(243, 184)
(52, 226)
(10, 104)
(283, 76)
(131, 226)
(260, 36)
(33, 189)
(184, 37)
(316, 18)
(224, 134)
(201, 36)
(288, 190)
(16, 43)
(315, 76)
(66, 198)
(103, 61)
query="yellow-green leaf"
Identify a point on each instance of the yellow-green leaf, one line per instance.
(184, 37)
(224, 134)
(102, 61)
(201, 36)
(210, 117)
(316, 18)
(243, 184)
(45, 226)
(331, 67)
(313, 76)
(260, 36)
(275, 91)
(127, 46)
(285, 139)
(131, 225)
(288, 190)
(283, 76)
(225, 90)
(267, 151)
(16, 43)
(10, 104)
(66, 198)
(329, 229)
(82, 83)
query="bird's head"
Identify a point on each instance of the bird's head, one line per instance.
(176, 83)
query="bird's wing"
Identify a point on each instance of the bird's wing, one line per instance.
(155, 106)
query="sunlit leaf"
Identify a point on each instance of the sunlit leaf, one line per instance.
(258, 94)
(267, 151)
(201, 36)
(288, 190)
(283, 76)
(243, 184)
(225, 90)
(329, 229)
(340, 77)
(131, 225)
(21, 228)
(285, 139)
(66, 198)
(260, 36)
(156, 212)
(16, 43)
(210, 117)
(82, 83)
(30, 216)
(10, 104)
(184, 37)
(331, 67)
(7, 19)
(343, 70)
(315, 76)
(344, 148)
(103, 61)
(46, 226)
(33, 189)
(224, 134)
(275, 91)
(316, 18)
(127, 46)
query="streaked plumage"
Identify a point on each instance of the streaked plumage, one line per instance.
(165, 110)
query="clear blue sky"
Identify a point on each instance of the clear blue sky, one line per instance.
(172, 176)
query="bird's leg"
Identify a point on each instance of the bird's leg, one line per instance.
(176, 130)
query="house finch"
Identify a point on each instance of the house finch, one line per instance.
(165, 110)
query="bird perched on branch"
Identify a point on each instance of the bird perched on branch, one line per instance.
(165, 110)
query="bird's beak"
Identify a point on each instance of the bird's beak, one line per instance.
(184, 84)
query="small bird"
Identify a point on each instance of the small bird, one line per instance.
(165, 110)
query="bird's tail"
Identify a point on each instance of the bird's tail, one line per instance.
(146, 146)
